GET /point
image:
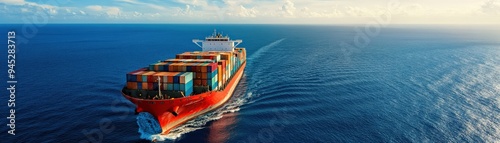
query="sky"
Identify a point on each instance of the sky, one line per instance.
(252, 11)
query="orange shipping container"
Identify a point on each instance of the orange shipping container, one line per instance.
(219, 76)
(203, 75)
(132, 85)
(204, 69)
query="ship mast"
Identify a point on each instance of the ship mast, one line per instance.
(159, 87)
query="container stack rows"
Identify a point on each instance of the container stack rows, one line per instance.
(149, 80)
(204, 74)
(187, 71)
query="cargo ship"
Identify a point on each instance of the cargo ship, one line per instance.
(193, 83)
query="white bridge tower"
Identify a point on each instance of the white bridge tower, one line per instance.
(217, 42)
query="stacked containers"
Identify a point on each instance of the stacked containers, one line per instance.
(172, 81)
(203, 73)
(211, 79)
(228, 56)
(189, 61)
(132, 76)
(187, 55)
(233, 65)
(240, 57)
(176, 81)
(243, 54)
(158, 67)
(190, 69)
(222, 64)
(226, 61)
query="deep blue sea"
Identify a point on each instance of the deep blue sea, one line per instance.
(303, 83)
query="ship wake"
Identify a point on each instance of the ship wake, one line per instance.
(265, 48)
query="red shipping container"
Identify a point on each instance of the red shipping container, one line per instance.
(197, 82)
(204, 82)
(150, 86)
(198, 75)
(170, 79)
(194, 68)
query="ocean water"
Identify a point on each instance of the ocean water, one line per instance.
(303, 83)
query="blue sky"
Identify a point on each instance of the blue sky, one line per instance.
(251, 11)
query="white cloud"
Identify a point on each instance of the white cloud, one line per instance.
(135, 2)
(31, 5)
(53, 11)
(155, 15)
(113, 11)
(43, 6)
(357, 11)
(201, 3)
(308, 13)
(24, 10)
(94, 7)
(237, 9)
(241, 11)
(137, 14)
(265, 11)
(187, 10)
(13, 2)
(288, 7)
(109, 10)
(491, 7)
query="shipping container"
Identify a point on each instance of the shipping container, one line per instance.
(189, 61)
(187, 67)
(170, 81)
(132, 76)
(215, 57)
(219, 76)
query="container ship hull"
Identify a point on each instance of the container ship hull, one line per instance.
(171, 113)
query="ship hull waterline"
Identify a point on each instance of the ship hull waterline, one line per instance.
(171, 113)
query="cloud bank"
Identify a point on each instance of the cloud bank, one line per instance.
(252, 11)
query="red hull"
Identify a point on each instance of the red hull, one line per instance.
(188, 107)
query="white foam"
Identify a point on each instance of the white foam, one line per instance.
(148, 125)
